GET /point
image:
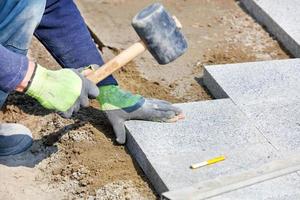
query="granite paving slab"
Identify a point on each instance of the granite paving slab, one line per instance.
(268, 93)
(279, 122)
(281, 188)
(255, 123)
(277, 179)
(254, 82)
(286, 187)
(211, 128)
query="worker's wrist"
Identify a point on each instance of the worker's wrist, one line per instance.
(26, 81)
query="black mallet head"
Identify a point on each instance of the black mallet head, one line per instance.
(158, 30)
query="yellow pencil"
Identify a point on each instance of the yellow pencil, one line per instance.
(208, 162)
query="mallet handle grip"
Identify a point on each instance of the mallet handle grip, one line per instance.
(117, 62)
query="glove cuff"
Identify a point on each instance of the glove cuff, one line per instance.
(31, 78)
(57, 90)
(34, 85)
(111, 97)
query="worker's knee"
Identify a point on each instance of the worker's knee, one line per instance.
(18, 20)
(21, 11)
(33, 11)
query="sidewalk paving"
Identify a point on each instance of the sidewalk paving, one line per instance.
(255, 121)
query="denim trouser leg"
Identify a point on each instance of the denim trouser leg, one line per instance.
(3, 97)
(63, 32)
(18, 21)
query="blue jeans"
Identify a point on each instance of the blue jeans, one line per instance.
(57, 24)
(17, 24)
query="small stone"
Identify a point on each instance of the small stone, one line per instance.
(57, 171)
(83, 182)
(84, 171)
(76, 151)
(56, 179)
(79, 190)
(172, 85)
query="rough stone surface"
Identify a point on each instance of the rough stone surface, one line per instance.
(255, 82)
(211, 128)
(268, 93)
(279, 122)
(282, 188)
(281, 18)
(285, 187)
(257, 123)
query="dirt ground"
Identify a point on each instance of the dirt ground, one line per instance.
(77, 158)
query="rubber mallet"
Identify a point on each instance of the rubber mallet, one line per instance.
(160, 34)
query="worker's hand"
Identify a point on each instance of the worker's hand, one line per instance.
(64, 90)
(121, 106)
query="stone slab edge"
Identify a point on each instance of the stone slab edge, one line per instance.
(213, 86)
(146, 165)
(208, 189)
(263, 18)
(140, 157)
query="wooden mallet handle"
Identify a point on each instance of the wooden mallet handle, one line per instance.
(122, 59)
(117, 62)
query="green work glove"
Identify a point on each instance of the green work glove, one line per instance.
(64, 90)
(121, 106)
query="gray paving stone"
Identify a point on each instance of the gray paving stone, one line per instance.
(285, 187)
(281, 18)
(282, 188)
(255, 82)
(211, 128)
(277, 179)
(257, 123)
(279, 122)
(268, 93)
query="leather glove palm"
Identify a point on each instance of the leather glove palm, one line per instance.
(121, 106)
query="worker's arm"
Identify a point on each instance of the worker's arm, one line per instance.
(13, 69)
(63, 90)
(64, 33)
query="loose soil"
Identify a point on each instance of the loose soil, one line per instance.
(77, 158)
